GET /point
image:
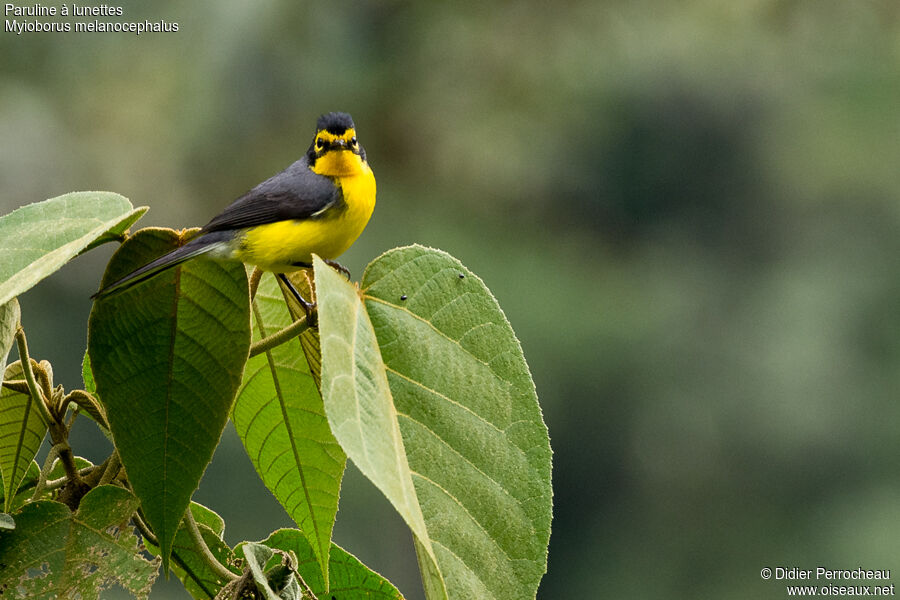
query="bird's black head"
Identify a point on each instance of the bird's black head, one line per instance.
(335, 122)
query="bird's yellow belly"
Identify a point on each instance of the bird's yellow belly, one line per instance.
(280, 246)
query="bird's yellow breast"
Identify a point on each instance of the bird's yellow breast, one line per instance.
(280, 246)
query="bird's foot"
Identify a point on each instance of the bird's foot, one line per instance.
(335, 264)
(308, 307)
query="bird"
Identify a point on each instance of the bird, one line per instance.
(319, 205)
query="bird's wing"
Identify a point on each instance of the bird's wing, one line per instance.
(295, 193)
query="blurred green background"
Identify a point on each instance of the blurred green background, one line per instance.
(690, 212)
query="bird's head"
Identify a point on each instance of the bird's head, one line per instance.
(335, 151)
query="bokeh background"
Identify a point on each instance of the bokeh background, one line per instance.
(690, 212)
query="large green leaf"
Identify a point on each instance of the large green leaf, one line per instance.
(9, 322)
(475, 442)
(349, 579)
(167, 357)
(53, 553)
(21, 432)
(280, 417)
(38, 239)
(360, 408)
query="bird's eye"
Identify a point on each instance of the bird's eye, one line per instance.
(353, 141)
(320, 143)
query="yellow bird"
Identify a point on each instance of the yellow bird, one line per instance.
(318, 205)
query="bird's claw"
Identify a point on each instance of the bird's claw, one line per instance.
(335, 264)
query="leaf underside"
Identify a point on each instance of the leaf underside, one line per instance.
(38, 239)
(460, 395)
(358, 399)
(21, 432)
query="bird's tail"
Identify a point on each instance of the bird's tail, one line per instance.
(200, 245)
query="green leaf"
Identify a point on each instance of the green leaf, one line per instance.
(200, 581)
(208, 517)
(359, 405)
(38, 239)
(346, 572)
(87, 374)
(94, 411)
(53, 553)
(167, 356)
(280, 417)
(472, 427)
(475, 441)
(21, 432)
(7, 522)
(9, 322)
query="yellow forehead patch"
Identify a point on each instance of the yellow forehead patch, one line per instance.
(330, 137)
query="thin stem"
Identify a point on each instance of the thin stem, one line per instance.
(306, 589)
(44, 381)
(58, 483)
(36, 395)
(144, 528)
(54, 484)
(45, 471)
(255, 276)
(66, 456)
(213, 562)
(112, 468)
(279, 337)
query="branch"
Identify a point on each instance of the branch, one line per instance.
(213, 562)
(112, 468)
(279, 337)
(144, 528)
(45, 471)
(255, 276)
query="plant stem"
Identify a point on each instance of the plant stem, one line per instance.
(305, 587)
(54, 484)
(217, 567)
(112, 468)
(45, 470)
(255, 276)
(279, 337)
(36, 394)
(144, 528)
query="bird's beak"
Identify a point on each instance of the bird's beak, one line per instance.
(339, 144)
